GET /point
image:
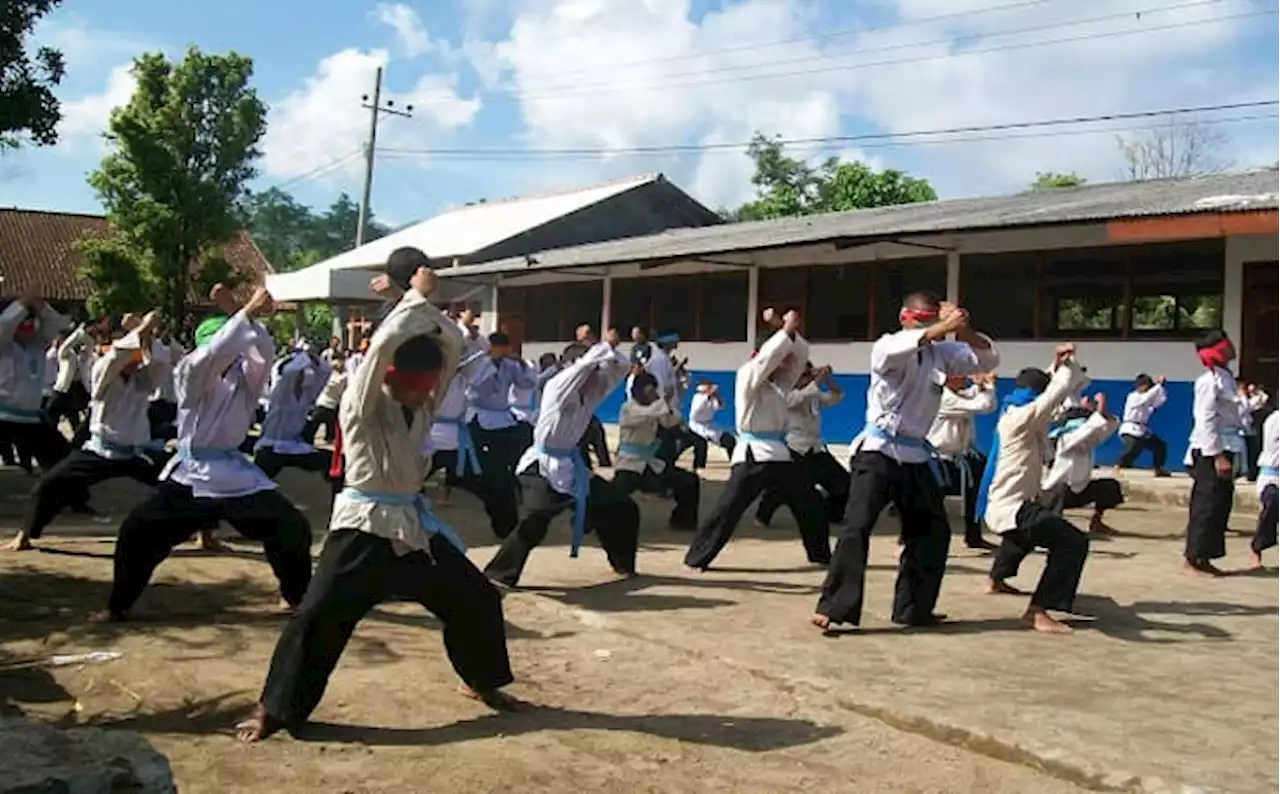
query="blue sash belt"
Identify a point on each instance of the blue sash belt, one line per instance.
(581, 488)
(466, 446)
(427, 520)
(935, 468)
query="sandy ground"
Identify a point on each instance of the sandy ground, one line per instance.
(675, 682)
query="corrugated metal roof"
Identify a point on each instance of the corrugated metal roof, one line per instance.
(1252, 190)
(477, 226)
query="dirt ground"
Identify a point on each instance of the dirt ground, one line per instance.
(673, 682)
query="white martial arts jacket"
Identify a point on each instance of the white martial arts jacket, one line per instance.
(294, 393)
(1138, 408)
(1269, 456)
(118, 424)
(638, 435)
(804, 417)
(451, 412)
(22, 366)
(1020, 464)
(69, 358)
(702, 415)
(1215, 415)
(218, 386)
(1074, 454)
(907, 382)
(384, 454)
(952, 433)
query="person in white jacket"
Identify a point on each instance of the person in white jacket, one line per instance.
(953, 434)
(1070, 482)
(1135, 429)
(1268, 479)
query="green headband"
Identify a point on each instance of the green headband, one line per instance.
(208, 327)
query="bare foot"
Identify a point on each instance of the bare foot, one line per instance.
(444, 499)
(897, 555)
(259, 726)
(286, 608)
(495, 699)
(1001, 587)
(205, 541)
(1041, 621)
(20, 542)
(695, 569)
(1255, 561)
(107, 616)
(1099, 527)
(821, 621)
(1204, 570)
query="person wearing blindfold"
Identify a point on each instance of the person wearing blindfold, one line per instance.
(893, 462)
(1214, 454)
(119, 443)
(209, 479)
(385, 541)
(27, 327)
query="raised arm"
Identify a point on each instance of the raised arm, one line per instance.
(634, 414)
(794, 398)
(10, 319)
(955, 405)
(772, 353)
(1151, 398)
(1095, 430)
(1066, 378)
(70, 346)
(51, 323)
(412, 316)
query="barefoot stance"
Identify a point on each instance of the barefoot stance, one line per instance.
(107, 616)
(821, 621)
(1041, 621)
(21, 543)
(259, 726)
(495, 699)
(1001, 587)
(1099, 527)
(205, 541)
(1203, 569)
(1255, 561)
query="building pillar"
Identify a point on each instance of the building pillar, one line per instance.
(489, 318)
(1233, 290)
(753, 303)
(953, 277)
(606, 298)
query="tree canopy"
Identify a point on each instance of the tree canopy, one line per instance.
(182, 151)
(788, 187)
(1049, 180)
(28, 107)
(292, 236)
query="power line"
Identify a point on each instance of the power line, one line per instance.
(876, 136)
(319, 170)
(821, 145)
(954, 40)
(661, 86)
(830, 34)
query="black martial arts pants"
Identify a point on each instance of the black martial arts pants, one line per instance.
(39, 440)
(358, 571)
(499, 502)
(499, 451)
(726, 441)
(822, 470)
(1265, 535)
(877, 481)
(685, 488)
(318, 461)
(594, 441)
(1209, 511)
(967, 490)
(1134, 446)
(747, 480)
(322, 416)
(1068, 548)
(1252, 446)
(11, 452)
(611, 514)
(67, 484)
(70, 405)
(161, 415)
(524, 439)
(174, 514)
(1101, 494)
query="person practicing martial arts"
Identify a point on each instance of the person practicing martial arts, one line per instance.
(494, 428)
(385, 542)
(1135, 426)
(70, 397)
(452, 449)
(893, 463)
(119, 442)
(554, 475)
(299, 380)
(209, 479)
(162, 409)
(1217, 442)
(594, 441)
(1268, 479)
(703, 406)
(804, 438)
(1070, 482)
(639, 467)
(325, 414)
(27, 327)
(953, 434)
(761, 460)
(524, 401)
(1011, 487)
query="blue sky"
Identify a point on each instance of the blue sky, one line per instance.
(616, 74)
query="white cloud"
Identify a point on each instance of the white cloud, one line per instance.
(582, 77)
(323, 120)
(87, 117)
(411, 33)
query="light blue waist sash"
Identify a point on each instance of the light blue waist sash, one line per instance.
(466, 446)
(581, 488)
(427, 520)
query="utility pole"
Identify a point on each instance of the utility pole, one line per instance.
(375, 107)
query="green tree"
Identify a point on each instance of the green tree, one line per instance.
(28, 107)
(182, 151)
(120, 275)
(789, 187)
(287, 231)
(1048, 180)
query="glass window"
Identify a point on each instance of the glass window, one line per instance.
(629, 306)
(999, 290)
(1176, 287)
(1083, 292)
(838, 308)
(675, 306)
(783, 288)
(582, 303)
(542, 316)
(722, 312)
(897, 278)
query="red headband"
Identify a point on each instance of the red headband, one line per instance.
(27, 326)
(919, 315)
(413, 381)
(1216, 355)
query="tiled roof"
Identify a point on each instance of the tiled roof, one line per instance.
(38, 253)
